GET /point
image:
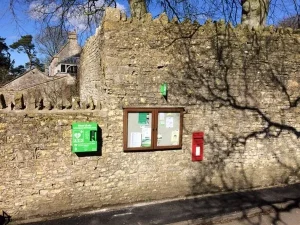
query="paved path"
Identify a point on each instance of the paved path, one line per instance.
(200, 210)
(284, 218)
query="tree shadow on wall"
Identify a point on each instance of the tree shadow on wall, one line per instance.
(245, 84)
(4, 218)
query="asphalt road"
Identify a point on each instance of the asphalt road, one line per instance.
(280, 200)
(285, 218)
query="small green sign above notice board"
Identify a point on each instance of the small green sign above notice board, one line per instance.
(84, 137)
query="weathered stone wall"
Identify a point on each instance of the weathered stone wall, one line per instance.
(40, 175)
(93, 84)
(240, 87)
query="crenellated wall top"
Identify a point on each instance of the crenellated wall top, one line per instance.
(115, 17)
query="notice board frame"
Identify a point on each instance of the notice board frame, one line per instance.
(154, 123)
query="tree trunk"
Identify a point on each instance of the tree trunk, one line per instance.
(255, 12)
(137, 8)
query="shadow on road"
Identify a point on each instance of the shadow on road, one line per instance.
(201, 210)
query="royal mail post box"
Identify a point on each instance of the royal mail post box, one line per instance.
(84, 137)
(197, 146)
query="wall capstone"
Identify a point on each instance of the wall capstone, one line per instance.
(112, 14)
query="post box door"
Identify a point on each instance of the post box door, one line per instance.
(197, 146)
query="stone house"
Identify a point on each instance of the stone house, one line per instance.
(66, 61)
(35, 84)
(59, 84)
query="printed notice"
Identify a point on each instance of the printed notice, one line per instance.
(175, 137)
(146, 133)
(146, 137)
(197, 151)
(135, 139)
(161, 118)
(169, 122)
(159, 138)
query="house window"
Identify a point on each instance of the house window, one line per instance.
(72, 69)
(152, 129)
(62, 68)
(65, 68)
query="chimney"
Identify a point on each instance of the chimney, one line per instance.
(72, 36)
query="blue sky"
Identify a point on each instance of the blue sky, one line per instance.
(12, 29)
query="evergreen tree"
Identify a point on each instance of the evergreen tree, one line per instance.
(5, 62)
(19, 70)
(25, 45)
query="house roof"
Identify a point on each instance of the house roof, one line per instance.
(28, 79)
(71, 60)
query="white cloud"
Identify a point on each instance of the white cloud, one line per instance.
(37, 10)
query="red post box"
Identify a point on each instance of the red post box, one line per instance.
(197, 146)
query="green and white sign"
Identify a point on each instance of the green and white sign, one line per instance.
(84, 137)
(163, 89)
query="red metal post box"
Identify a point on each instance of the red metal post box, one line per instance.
(197, 146)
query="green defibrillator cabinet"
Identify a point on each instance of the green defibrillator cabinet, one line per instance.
(84, 137)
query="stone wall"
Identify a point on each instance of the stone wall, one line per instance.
(40, 175)
(239, 86)
(91, 85)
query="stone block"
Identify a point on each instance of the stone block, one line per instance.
(67, 104)
(147, 18)
(90, 103)
(49, 105)
(162, 19)
(123, 16)
(30, 105)
(112, 14)
(98, 105)
(59, 104)
(75, 103)
(19, 101)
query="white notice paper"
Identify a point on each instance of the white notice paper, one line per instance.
(197, 151)
(146, 133)
(169, 122)
(135, 139)
(175, 137)
(161, 118)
